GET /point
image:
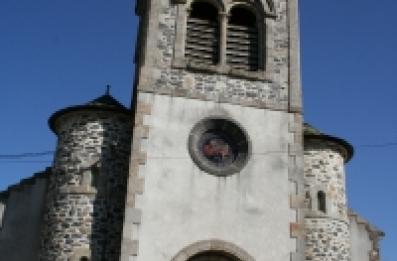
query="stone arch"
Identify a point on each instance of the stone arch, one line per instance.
(261, 8)
(219, 4)
(214, 245)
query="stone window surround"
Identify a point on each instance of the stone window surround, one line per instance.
(224, 7)
(313, 208)
(201, 127)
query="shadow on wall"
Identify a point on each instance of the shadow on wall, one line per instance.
(109, 178)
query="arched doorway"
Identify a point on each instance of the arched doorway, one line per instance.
(213, 250)
(213, 256)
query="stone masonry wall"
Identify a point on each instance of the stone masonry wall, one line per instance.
(327, 240)
(166, 79)
(85, 203)
(324, 170)
(327, 233)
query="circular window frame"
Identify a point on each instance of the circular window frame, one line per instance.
(232, 130)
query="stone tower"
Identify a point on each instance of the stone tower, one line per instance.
(327, 222)
(86, 189)
(217, 164)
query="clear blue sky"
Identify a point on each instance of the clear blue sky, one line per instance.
(56, 53)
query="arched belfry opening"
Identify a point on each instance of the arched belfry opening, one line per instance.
(213, 256)
(243, 39)
(202, 41)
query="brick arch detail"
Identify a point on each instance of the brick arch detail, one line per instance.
(212, 245)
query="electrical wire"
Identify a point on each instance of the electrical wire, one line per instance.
(26, 155)
(18, 158)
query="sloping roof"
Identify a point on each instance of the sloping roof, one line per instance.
(25, 182)
(312, 133)
(105, 102)
(370, 227)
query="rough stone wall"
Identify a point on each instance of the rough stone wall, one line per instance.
(327, 240)
(164, 78)
(324, 170)
(85, 202)
(327, 233)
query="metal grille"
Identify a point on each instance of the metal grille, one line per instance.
(242, 41)
(202, 44)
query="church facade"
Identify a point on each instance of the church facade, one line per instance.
(212, 163)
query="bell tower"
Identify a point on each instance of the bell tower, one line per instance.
(216, 169)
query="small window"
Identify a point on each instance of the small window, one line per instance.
(2, 212)
(84, 258)
(202, 42)
(322, 201)
(213, 256)
(242, 40)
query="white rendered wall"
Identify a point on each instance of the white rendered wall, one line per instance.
(361, 244)
(182, 205)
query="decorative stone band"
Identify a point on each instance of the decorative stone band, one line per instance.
(133, 215)
(212, 245)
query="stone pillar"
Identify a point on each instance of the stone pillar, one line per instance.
(223, 19)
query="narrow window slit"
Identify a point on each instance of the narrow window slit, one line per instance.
(2, 212)
(322, 202)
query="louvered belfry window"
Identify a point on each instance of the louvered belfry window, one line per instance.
(242, 40)
(202, 43)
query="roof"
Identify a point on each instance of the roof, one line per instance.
(105, 102)
(24, 183)
(370, 227)
(311, 133)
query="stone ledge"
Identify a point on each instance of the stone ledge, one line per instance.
(78, 190)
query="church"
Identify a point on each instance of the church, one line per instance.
(212, 162)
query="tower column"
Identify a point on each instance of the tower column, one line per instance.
(326, 222)
(85, 202)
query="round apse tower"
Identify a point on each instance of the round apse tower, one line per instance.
(86, 194)
(326, 220)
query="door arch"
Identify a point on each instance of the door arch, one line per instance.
(213, 250)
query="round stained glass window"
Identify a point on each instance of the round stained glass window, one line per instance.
(219, 146)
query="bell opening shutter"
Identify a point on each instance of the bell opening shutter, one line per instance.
(202, 39)
(242, 40)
